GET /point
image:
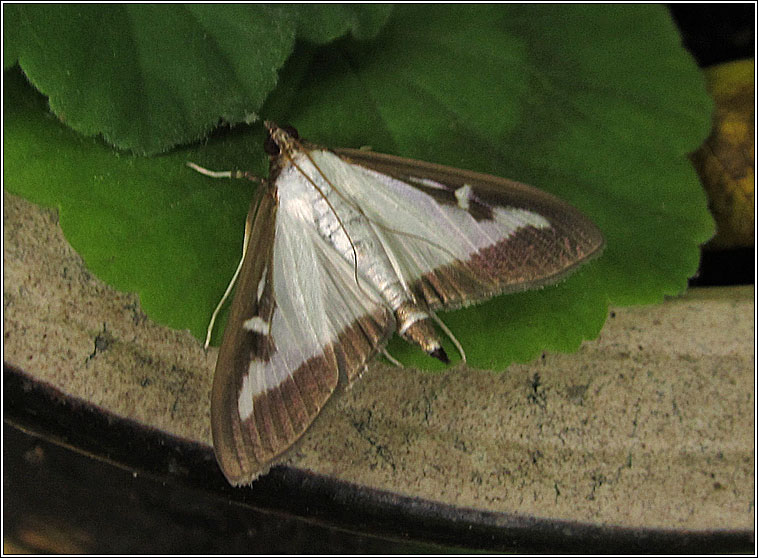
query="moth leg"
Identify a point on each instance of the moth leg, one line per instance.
(225, 174)
(229, 287)
(449, 334)
(392, 359)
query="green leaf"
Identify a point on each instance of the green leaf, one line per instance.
(149, 77)
(597, 104)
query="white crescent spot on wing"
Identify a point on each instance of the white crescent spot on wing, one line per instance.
(463, 195)
(256, 324)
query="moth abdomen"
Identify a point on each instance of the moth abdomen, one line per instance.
(415, 326)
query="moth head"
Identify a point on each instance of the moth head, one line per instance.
(280, 139)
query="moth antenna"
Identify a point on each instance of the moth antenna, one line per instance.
(449, 334)
(225, 174)
(392, 359)
(229, 288)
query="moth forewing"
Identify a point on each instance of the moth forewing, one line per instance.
(528, 258)
(232, 448)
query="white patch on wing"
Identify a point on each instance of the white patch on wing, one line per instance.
(428, 182)
(463, 195)
(256, 324)
(514, 218)
(245, 402)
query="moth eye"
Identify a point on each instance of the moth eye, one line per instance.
(291, 130)
(270, 147)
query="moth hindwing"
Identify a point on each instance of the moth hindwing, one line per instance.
(347, 247)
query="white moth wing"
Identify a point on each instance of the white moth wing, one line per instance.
(317, 296)
(458, 236)
(301, 324)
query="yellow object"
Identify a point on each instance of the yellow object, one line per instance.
(725, 160)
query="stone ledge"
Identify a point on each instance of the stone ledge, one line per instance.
(651, 425)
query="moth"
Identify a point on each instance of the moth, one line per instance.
(345, 247)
